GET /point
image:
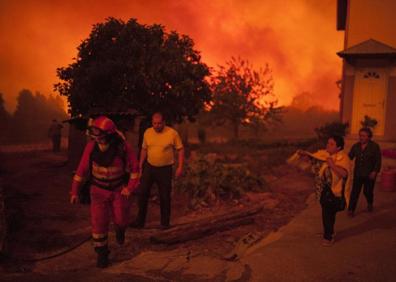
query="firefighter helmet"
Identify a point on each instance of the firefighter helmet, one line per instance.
(101, 127)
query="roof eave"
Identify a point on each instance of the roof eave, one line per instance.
(367, 55)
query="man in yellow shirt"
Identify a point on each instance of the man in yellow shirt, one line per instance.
(156, 160)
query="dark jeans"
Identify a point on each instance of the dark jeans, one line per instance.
(162, 176)
(328, 218)
(368, 191)
(56, 143)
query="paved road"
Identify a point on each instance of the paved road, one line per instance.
(365, 248)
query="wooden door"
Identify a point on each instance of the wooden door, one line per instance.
(369, 98)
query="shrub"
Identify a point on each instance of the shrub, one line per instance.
(334, 128)
(369, 122)
(208, 181)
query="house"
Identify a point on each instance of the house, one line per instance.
(369, 65)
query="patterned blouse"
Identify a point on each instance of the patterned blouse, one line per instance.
(322, 181)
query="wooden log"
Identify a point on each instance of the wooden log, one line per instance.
(232, 214)
(206, 226)
(197, 232)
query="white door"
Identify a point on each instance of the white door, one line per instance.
(369, 98)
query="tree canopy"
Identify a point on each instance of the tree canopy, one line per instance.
(4, 120)
(243, 96)
(129, 66)
(33, 116)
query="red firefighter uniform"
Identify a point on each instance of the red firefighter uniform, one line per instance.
(107, 171)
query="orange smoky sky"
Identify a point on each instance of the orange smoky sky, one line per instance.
(297, 38)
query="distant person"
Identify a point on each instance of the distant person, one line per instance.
(333, 171)
(156, 160)
(367, 156)
(111, 168)
(55, 133)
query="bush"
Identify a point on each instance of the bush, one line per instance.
(334, 128)
(207, 182)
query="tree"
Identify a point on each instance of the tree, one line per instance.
(33, 116)
(4, 121)
(243, 96)
(4, 115)
(127, 65)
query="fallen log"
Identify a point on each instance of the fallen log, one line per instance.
(207, 226)
(232, 214)
(179, 236)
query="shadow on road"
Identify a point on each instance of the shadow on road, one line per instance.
(379, 220)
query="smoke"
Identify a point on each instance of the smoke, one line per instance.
(298, 39)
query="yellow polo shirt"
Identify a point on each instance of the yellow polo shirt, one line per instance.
(160, 146)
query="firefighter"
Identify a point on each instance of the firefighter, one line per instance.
(112, 169)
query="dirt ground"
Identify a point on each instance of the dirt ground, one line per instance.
(42, 223)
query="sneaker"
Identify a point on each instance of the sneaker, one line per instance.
(327, 243)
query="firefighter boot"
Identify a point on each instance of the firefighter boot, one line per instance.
(103, 256)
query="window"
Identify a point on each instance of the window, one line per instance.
(371, 74)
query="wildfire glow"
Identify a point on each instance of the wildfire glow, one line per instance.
(297, 38)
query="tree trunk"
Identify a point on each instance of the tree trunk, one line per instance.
(77, 142)
(235, 125)
(206, 226)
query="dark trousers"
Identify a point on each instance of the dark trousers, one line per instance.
(56, 142)
(368, 191)
(162, 176)
(328, 218)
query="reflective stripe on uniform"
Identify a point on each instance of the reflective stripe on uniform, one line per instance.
(108, 169)
(99, 235)
(99, 240)
(134, 175)
(107, 173)
(78, 178)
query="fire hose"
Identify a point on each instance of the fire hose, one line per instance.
(61, 253)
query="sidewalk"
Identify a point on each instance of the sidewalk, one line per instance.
(365, 248)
